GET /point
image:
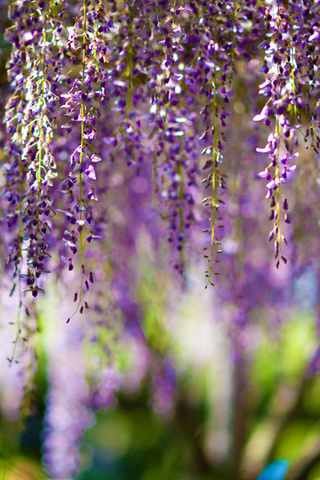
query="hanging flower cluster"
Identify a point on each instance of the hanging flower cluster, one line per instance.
(153, 81)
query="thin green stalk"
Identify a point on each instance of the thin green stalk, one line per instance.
(83, 112)
(214, 182)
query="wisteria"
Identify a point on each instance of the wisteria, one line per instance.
(67, 417)
(190, 128)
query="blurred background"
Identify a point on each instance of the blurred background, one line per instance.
(180, 406)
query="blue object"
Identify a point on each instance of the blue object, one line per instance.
(275, 471)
